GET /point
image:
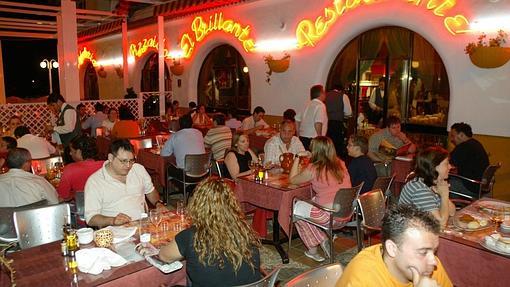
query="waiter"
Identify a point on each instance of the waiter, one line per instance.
(338, 107)
(67, 125)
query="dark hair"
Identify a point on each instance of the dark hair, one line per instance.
(54, 98)
(192, 105)
(463, 128)
(219, 119)
(392, 120)
(10, 141)
(125, 113)
(87, 145)
(426, 162)
(79, 106)
(399, 218)
(289, 114)
(121, 144)
(259, 110)
(98, 107)
(338, 87)
(21, 131)
(360, 142)
(175, 102)
(17, 157)
(287, 122)
(316, 91)
(185, 122)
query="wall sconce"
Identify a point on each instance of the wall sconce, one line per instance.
(177, 67)
(277, 66)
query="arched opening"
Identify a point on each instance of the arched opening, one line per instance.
(400, 63)
(150, 83)
(224, 80)
(90, 86)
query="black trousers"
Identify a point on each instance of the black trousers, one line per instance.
(306, 142)
(336, 133)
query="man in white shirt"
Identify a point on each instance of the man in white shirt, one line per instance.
(37, 146)
(338, 107)
(283, 142)
(67, 125)
(115, 194)
(19, 187)
(313, 121)
(95, 121)
(113, 117)
(255, 122)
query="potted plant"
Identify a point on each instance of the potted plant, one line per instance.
(277, 66)
(489, 55)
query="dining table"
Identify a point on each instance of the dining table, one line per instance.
(466, 261)
(155, 164)
(103, 143)
(44, 265)
(275, 193)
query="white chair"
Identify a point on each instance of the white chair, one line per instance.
(42, 225)
(268, 281)
(323, 276)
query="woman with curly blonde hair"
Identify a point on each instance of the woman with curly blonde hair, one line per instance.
(220, 248)
(327, 174)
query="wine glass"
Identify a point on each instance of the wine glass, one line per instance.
(155, 217)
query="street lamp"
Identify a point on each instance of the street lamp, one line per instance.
(51, 64)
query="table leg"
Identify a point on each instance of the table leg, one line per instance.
(277, 241)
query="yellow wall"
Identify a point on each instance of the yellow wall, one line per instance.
(499, 151)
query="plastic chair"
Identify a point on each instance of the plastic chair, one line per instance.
(486, 183)
(384, 183)
(267, 281)
(42, 225)
(344, 206)
(196, 168)
(323, 276)
(372, 206)
(7, 229)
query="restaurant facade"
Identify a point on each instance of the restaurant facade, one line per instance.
(270, 52)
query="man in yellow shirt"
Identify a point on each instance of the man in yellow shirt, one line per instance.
(406, 256)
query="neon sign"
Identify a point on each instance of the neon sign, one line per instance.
(202, 29)
(139, 49)
(86, 55)
(309, 32)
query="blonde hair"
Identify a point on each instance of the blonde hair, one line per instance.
(324, 159)
(221, 229)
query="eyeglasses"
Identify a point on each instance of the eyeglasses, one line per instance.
(126, 161)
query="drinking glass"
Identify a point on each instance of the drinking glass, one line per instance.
(180, 209)
(155, 217)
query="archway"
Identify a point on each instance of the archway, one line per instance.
(413, 73)
(150, 83)
(90, 85)
(224, 80)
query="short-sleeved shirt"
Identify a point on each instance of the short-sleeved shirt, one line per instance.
(94, 122)
(418, 193)
(249, 123)
(383, 135)
(183, 142)
(219, 139)
(361, 169)
(368, 269)
(18, 188)
(314, 112)
(212, 275)
(74, 177)
(107, 196)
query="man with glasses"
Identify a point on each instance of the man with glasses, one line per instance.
(115, 194)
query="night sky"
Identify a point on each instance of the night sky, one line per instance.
(21, 66)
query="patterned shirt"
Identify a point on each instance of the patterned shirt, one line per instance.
(418, 193)
(274, 147)
(219, 139)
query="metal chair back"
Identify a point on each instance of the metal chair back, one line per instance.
(7, 228)
(79, 199)
(383, 168)
(372, 209)
(42, 225)
(267, 281)
(344, 203)
(197, 165)
(384, 183)
(488, 179)
(323, 276)
(219, 167)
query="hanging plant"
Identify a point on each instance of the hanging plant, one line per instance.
(277, 66)
(490, 54)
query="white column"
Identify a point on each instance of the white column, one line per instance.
(161, 64)
(3, 98)
(68, 52)
(125, 54)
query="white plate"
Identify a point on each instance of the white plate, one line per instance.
(492, 207)
(494, 248)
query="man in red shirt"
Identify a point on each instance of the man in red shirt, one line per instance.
(83, 150)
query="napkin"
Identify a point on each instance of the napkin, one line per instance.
(96, 260)
(121, 233)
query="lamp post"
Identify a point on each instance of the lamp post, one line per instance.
(49, 64)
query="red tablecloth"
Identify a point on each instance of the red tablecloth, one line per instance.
(274, 194)
(155, 164)
(468, 263)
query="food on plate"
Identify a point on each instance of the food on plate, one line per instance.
(483, 222)
(466, 218)
(473, 225)
(503, 245)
